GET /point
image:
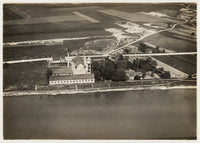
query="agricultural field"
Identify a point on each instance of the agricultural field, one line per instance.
(168, 41)
(40, 20)
(35, 31)
(140, 16)
(186, 64)
(23, 76)
(53, 30)
(67, 29)
(10, 15)
(45, 36)
(31, 52)
(168, 9)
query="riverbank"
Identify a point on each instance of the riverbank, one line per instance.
(93, 90)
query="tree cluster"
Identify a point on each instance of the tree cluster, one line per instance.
(110, 70)
(145, 65)
(115, 70)
(143, 48)
(142, 65)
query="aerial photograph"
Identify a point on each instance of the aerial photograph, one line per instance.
(100, 71)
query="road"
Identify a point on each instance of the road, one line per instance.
(100, 56)
(115, 50)
(160, 54)
(25, 61)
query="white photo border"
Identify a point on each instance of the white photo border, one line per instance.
(98, 1)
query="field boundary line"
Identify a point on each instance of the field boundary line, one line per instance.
(90, 19)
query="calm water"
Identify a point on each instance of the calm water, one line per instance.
(147, 114)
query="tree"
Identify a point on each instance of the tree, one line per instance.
(121, 58)
(49, 73)
(119, 75)
(189, 76)
(97, 70)
(166, 74)
(121, 64)
(142, 48)
(126, 51)
(192, 34)
(128, 65)
(157, 48)
(109, 68)
(143, 74)
(97, 75)
(154, 64)
(137, 77)
(136, 64)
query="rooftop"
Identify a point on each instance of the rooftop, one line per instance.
(133, 73)
(62, 70)
(78, 60)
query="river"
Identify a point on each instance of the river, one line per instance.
(142, 114)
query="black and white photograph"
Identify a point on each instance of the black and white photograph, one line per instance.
(99, 71)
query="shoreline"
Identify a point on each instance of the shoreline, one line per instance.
(95, 90)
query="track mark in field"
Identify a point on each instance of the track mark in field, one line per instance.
(51, 19)
(177, 35)
(74, 8)
(183, 35)
(19, 12)
(86, 17)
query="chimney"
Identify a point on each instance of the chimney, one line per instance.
(84, 60)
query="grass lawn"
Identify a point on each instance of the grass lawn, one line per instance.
(24, 75)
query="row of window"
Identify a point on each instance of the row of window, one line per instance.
(72, 81)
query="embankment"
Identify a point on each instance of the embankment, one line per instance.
(62, 92)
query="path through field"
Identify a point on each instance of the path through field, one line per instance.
(147, 35)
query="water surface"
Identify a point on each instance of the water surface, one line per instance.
(145, 114)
